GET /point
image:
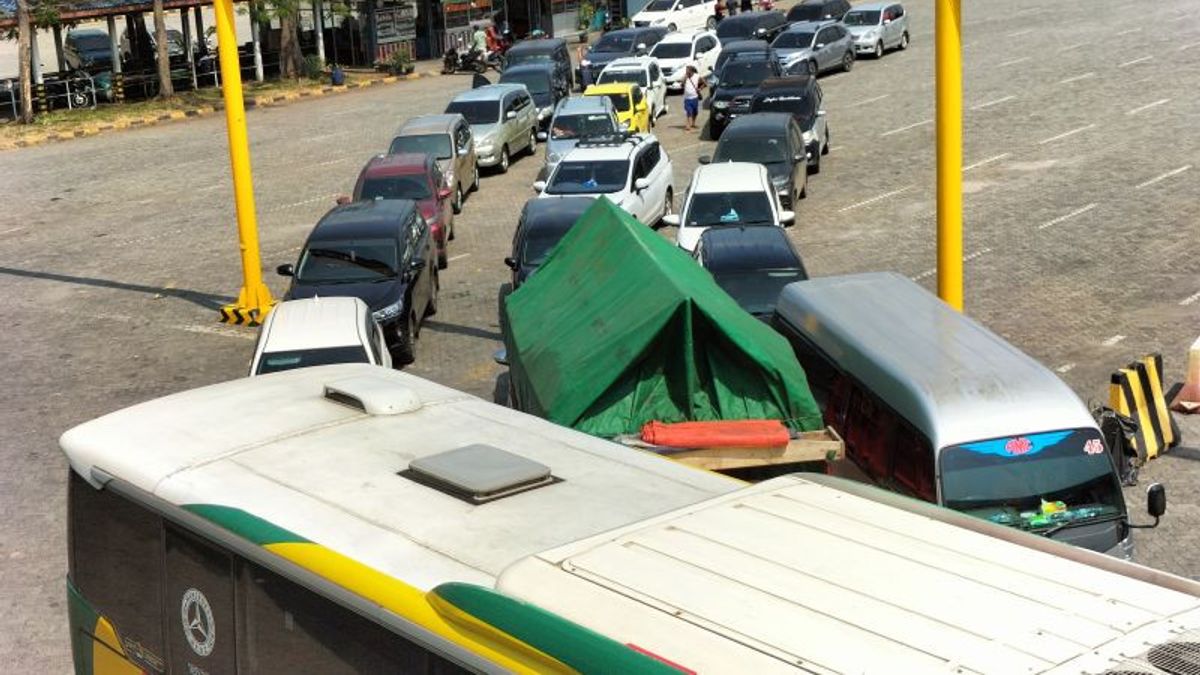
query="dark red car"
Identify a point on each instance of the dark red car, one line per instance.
(416, 177)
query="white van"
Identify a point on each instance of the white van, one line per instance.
(318, 332)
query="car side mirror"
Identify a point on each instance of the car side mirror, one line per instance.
(800, 157)
(641, 46)
(510, 115)
(705, 159)
(886, 21)
(671, 220)
(539, 186)
(444, 193)
(1156, 500)
(285, 271)
(624, 126)
(511, 262)
(416, 264)
(342, 199)
(788, 218)
(820, 45)
(541, 136)
(641, 184)
(820, 113)
(500, 356)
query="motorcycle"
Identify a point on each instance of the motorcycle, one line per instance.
(470, 59)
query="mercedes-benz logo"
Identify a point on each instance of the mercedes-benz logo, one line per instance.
(198, 624)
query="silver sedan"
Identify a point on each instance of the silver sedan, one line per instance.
(815, 47)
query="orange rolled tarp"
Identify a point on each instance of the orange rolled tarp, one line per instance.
(717, 434)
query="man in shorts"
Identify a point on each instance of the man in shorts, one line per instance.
(692, 86)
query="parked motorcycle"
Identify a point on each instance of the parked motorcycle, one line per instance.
(470, 59)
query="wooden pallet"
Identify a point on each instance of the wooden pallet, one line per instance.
(811, 446)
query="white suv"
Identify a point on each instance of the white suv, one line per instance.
(678, 15)
(729, 193)
(676, 50)
(644, 72)
(634, 172)
(318, 332)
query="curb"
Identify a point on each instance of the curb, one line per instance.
(38, 138)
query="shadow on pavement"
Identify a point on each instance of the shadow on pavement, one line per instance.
(205, 300)
(439, 327)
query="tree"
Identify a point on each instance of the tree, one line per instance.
(290, 58)
(24, 58)
(165, 88)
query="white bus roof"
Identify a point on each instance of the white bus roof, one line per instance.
(800, 572)
(276, 447)
(952, 378)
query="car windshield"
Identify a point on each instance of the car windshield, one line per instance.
(569, 127)
(619, 101)
(273, 362)
(637, 77)
(527, 57)
(614, 43)
(536, 83)
(575, 178)
(790, 40)
(1033, 482)
(538, 244)
(757, 291)
(348, 261)
(711, 209)
(476, 112)
(672, 50)
(760, 149)
(733, 30)
(660, 6)
(798, 105)
(437, 145)
(861, 18)
(91, 42)
(744, 73)
(396, 187)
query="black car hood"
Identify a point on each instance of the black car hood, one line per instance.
(778, 170)
(605, 58)
(724, 93)
(377, 295)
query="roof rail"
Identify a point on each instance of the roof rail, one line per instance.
(610, 140)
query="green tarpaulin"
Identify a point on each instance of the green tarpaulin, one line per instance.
(620, 327)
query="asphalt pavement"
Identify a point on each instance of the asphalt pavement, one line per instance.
(1080, 222)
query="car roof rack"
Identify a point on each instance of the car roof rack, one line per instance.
(609, 140)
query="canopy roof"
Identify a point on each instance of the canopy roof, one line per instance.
(85, 10)
(619, 327)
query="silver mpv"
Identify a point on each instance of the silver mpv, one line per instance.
(877, 27)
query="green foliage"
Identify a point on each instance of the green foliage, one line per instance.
(313, 68)
(587, 11)
(399, 62)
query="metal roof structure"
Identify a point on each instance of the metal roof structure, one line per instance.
(86, 10)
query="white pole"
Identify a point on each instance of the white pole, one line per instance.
(258, 64)
(187, 40)
(113, 46)
(35, 59)
(319, 27)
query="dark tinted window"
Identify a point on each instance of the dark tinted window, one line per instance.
(199, 606)
(806, 12)
(861, 18)
(476, 112)
(793, 39)
(535, 82)
(116, 563)
(273, 362)
(437, 145)
(818, 370)
(348, 261)
(396, 187)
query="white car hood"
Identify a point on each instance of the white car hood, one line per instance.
(651, 17)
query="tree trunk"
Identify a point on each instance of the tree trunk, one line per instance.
(289, 45)
(24, 56)
(165, 88)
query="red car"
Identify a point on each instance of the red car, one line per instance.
(416, 177)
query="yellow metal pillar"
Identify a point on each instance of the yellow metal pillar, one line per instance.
(254, 300)
(948, 25)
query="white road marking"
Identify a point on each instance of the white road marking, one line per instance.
(12, 229)
(1020, 32)
(1189, 299)
(966, 258)
(1023, 12)
(332, 161)
(907, 127)
(989, 160)
(1184, 48)
(217, 330)
(870, 100)
(971, 256)
(209, 188)
(872, 200)
(1130, 63)
(1127, 32)
(1172, 172)
(300, 203)
(1148, 106)
(989, 104)
(1068, 48)
(1077, 78)
(1113, 340)
(1014, 62)
(1065, 134)
(1065, 368)
(460, 256)
(1079, 211)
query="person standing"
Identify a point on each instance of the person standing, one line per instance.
(719, 11)
(747, 5)
(692, 86)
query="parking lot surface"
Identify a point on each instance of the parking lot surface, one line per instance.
(1081, 225)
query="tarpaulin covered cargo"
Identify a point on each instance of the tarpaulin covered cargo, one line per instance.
(618, 327)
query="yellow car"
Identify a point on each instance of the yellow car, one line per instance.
(629, 101)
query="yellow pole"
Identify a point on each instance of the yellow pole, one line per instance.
(948, 26)
(254, 300)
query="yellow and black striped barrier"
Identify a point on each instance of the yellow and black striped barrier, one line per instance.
(241, 316)
(1137, 392)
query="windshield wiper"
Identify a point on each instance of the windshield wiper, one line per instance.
(1081, 521)
(369, 263)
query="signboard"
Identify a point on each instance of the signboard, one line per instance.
(396, 23)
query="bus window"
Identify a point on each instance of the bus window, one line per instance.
(290, 629)
(819, 372)
(913, 465)
(199, 606)
(869, 428)
(116, 564)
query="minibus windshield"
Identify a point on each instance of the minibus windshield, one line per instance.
(1038, 482)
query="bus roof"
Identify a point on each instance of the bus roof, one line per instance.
(814, 573)
(952, 378)
(276, 446)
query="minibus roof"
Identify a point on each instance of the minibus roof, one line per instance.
(277, 447)
(950, 377)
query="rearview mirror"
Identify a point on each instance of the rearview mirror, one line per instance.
(800, 157)
(820, 45)
(342, 199)
(511, 262)
(1156, 500)
(820, 113)
(671, 220)
(787, 218)
(886, 21)
(285, 271)
(541, 136)
(705, 159)
(416, 264)
(641, 184)
(539, 186)
(510, 115)
(500, 356)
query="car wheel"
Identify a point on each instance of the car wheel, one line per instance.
(671, 28)
(815, 167)
(848, 61)
(432, 307)
(668, 207)
(710, 23)
(532, 141)
(812, 68)
(803, 189)
(456, 205)
(475, 180)
(406, 351)
(904, 40)
(879, 49)
(503, 166)
(825, 146)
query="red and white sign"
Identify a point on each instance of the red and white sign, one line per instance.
(1093, 447)
(1018, 446)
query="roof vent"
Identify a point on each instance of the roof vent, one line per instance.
(373, 395)
(478, 474)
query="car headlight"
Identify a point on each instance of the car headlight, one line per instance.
(388, 313)
(553, 158)
(484, 148)
(779, 181)
(808, 136)
(720, 105)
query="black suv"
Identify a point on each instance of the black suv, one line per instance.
(553, 51)
(801, 97)
(735, 87)
(381, 252)
(545, 84)
(751, 264)
(774, 140)
(818, 10)
(612, 46)
(543, 223)
(751, 26)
